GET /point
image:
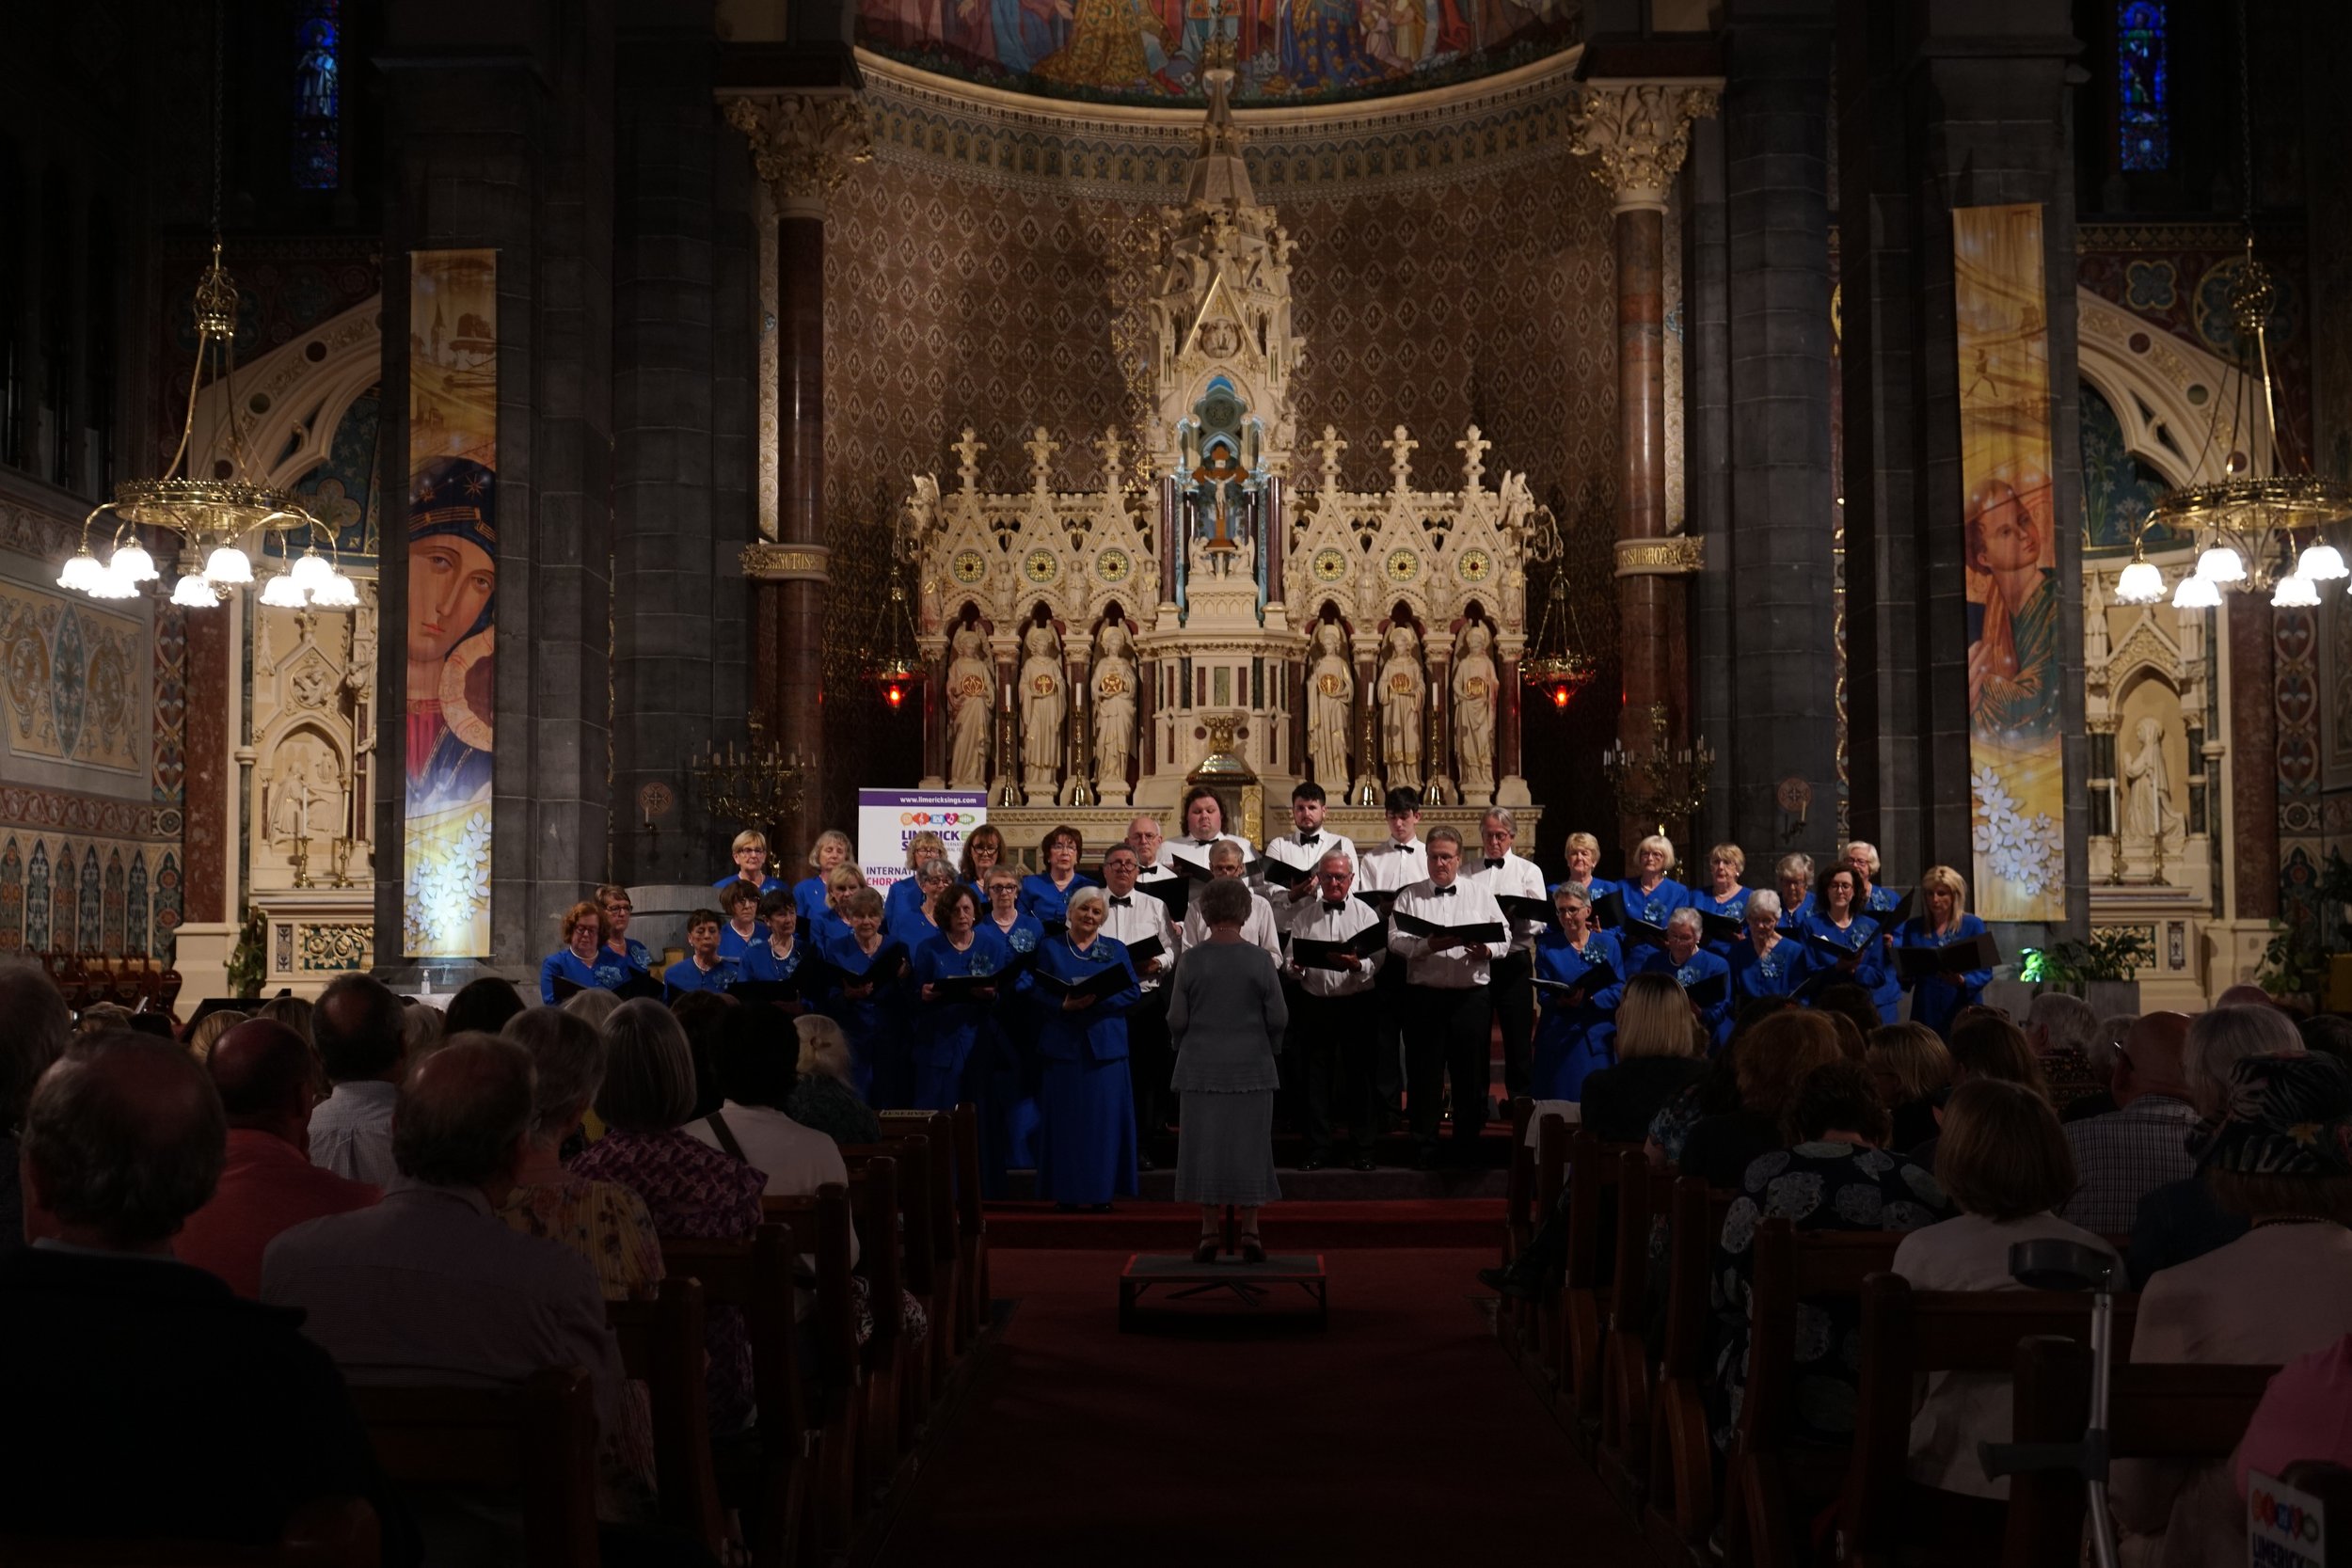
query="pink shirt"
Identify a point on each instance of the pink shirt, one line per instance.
(267, 1186)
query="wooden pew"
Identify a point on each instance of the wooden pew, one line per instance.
(1551, 1179)
(970, 1225)
(661, 1346)
(944, 1294)
(1682, 1494)
(1518, 1192)
(1907, 1334)
(1594, 1172)
(1622, 1452)
(1772, 1485)
(326, 1532)
(2154, 1412)
(901, 1240)
(537, 1440)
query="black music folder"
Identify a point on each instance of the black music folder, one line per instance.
(1484, 930)
(1921, 963)
(1108, 981)
(1317, 953)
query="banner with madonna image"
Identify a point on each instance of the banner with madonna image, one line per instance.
(2016, 776)
(453, 602)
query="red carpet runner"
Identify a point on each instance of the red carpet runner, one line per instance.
(1399, 1440)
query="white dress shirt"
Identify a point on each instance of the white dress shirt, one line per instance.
(1197, 850)
(351, 1131)
(1388, 865)
(1314, 920)
(1515, 877)
(1258, 928)
(1141, 918)
(1305, 856)
(1457, 968)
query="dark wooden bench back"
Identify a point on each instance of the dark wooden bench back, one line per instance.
(1792, 1265)
(661, 1346)
(537, 1440)
(326, 1532)
(1594, 1171)
(1518, 1192)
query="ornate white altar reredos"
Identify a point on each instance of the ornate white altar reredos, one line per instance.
(1079, 644)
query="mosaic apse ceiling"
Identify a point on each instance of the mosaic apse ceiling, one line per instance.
(1148, 51)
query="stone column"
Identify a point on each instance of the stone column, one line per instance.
(1510, 782)
(1077, 660)
(1637, 131)
(1368, 787)
(935, 655)
(1004, 784)
(802, 145)
(1437, 745)
(2253, 755)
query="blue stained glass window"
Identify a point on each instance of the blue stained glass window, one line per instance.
(318, 95)
(2143, 101)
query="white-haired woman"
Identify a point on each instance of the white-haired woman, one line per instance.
(1652, 896)
(831, 851)
(1722, 896)
(1580, 975)
(1764, 962)
(1078, 990)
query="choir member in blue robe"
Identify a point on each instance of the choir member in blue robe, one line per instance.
(1574, 1027)
(947, 1029)
(1855, 943)
(1765, 962)
(751, 863)
(1650, 896)
(1793, 877)
(701, 969)
(1936, 1000)
(1583, 855)
(983, 852)
(1087, 1154)
(1688, 964)
(576, 960)
(813, 891)
(741, 900)
(867, 996)
(779, 954)
(1871, 898)
(1045, 896)
(1723, 895)
(1005, 1074)
(622, 956)
(828, 922)
(905, 894)
(914, 922)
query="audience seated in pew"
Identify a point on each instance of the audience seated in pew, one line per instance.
(1986, 1045)
(2105, 1049)
(1913, 1069)
(2278, 1152)
(1845, 1002)
(1768, 1063)
(826, 1097)
(2060, 1029)
(2004, 1163)
(605, 1222)
(39, 1025)
(2328, 1035)
(267, 1084)
(482, 1006)
(2183, 1219)
(1831, 1175)
(146, 1400)
(359, 1031)
(2129, 1152)
(2305, 1417)
(756, 1054)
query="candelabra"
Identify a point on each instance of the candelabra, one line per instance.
(1663, 783)
(759, 782)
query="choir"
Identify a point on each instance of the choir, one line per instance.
(1043, 997)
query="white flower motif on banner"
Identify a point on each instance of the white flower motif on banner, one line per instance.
(2027, 852)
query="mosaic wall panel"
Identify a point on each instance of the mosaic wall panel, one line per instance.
(75, 680)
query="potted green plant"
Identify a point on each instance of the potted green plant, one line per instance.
(2102, 970)
(249, 960)
(2298, 959)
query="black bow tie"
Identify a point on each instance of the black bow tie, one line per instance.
(1448, 891)
(1494, 866)
(1309, 838)
(1121, 901)
(1335, 907)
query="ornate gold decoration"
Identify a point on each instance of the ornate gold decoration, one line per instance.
(1556, 662)
(336, 949)
(1677, 555)
(771, 562)
(1664, 784)
(803, 145)
(759, 784)
(1639, 131)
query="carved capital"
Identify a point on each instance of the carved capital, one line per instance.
(803, 145)
(1637, 134)
(1677, 555)
(767, 562)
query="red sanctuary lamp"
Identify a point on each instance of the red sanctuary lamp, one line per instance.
(897, 665)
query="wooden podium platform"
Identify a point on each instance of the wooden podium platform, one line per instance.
(1185, 1280)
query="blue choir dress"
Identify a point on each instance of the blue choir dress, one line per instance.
(1087, 1149)
(1733, 908)
(1654, 908)
(616, 966)
(1005, 1070)
(761, 964)
(876, 1024)
(687, 975)
(948, 1033)
(1046, 904)
(1874, 973)
(564, 965)
(767, 884)
(1935, 1001)
(1782, 969)
(1703, 966)
(808, 896)
(735, 945)
(1572, 1042)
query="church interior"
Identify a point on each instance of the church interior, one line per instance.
(1895, 451)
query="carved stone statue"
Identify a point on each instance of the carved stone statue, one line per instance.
(1402, 691)
(1044, 709)
(1114, 687)
(971, 709)
(1474, 694)
(2149, 813)
(1331, 710)
(291, 802)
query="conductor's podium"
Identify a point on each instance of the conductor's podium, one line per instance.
(1178, 1277)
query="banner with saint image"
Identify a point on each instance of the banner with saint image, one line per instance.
(453, 601)
(2016, 775)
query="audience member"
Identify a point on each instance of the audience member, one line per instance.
(1913, 1069)
(701, 1014)
(1659, 1054)
(153, 1025)
(2306, 1414)
(103, 1018)
(2060, 1027)
(2277, 1151)
(428, 1288)
(293, 1011)
(1768, 1063)
(358, 1024)
(2123, 1156)
(1985, 1044)
(1831, 1175)
(1853, 1003)
(203, 1033)
(2103, 1048)
(422, 1031)
(603, 1221)
(483, 1006)
(2245, 996)
(266, 1078)
(826, 1097)
(145, 1398)
(40, 1024)
(2181, 1219)
(2328, 1035)
(595, 1005)
(757, 1071)
(2004, 1163)
(693, 1191)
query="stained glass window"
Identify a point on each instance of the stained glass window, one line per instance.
(2144, 103)
(318, 95)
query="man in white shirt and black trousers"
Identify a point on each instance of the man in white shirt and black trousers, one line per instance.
(1449, 1021)
(1138, 917)
(1295, 854)
(1395, 863)
(1332, 1018)
(1512, 982)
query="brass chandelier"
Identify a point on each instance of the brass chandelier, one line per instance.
(1555, 662)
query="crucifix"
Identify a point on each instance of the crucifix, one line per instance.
(1220, 470)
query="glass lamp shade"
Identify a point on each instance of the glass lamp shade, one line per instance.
(112, 584)
(228, 565)
(2139, 583)
(132, 562)
(282, 593)
(337, 593)
(82, 573)
(2221, 564)
(193, 593)
(2294, 592)
(2320, 562)
(2196, 592)
(311, 573)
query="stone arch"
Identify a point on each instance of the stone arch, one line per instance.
(2159, 385)
(290, 399)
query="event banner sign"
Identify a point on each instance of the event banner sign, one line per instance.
(2016, 775)
(888, 819)
(453, 601)
(2284, 1528)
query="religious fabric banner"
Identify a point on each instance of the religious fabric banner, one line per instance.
(888, 819)
(2016, 775)
(453, 601)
